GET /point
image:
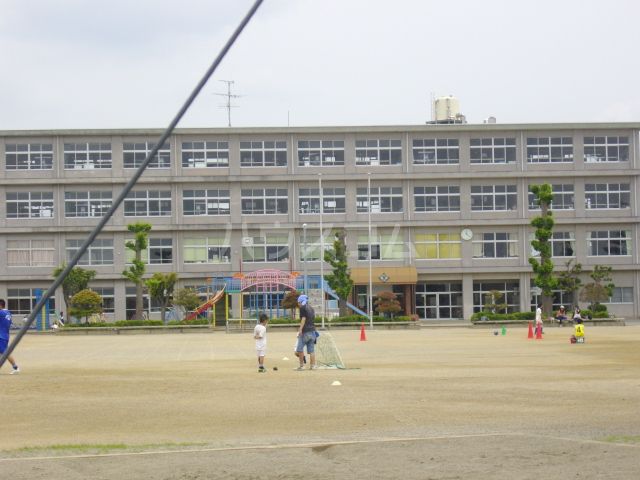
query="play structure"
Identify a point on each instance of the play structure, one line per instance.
(260, 291)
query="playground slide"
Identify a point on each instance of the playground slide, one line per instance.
(330, 291)
(206, 305)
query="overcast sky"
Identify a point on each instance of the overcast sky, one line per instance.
(131, 63)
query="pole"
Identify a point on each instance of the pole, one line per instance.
(321, 250)
(304, 258)
(129, 186)
(370, 292)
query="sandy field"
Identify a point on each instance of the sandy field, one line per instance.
(435, 403)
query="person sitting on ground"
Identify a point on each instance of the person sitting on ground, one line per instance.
(561, 315)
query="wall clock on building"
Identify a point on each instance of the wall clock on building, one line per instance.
(466, 234)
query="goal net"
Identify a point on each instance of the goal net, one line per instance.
(327, 354)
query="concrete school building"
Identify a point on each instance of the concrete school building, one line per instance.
(438, 214)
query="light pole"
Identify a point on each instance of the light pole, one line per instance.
(321, 249)
(304, 257)
(369, 241)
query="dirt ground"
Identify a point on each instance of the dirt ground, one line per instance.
(451, 403)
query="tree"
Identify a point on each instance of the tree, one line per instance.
(569, 280)
(77, 280)
(85, 303)
(387, 302)
(494, 303)
(161, 286)
(596, 292)
(340, 280)
(290, 300)
(136, 270)
(543, 269)
(187, 298)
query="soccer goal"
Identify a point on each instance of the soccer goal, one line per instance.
(327, 354)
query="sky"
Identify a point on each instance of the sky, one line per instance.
(132, 63)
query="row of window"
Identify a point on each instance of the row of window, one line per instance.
(275, 248)
(434, 301)
(316, 153)
(275, 201)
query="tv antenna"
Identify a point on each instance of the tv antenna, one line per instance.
(229, 96)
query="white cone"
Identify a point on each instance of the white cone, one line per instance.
(336, 383)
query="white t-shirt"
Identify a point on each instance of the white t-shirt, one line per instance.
(260, 334)
(538, 315)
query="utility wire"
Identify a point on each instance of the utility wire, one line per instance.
(103, 221)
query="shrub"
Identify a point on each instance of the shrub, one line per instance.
(503, 316)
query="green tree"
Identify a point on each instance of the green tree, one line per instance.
(340, 280)
(136, 270)
(85, 303)
(599, 290)
(543, 269)
(187, 298)
(161, 287)
(493, 302)
(77, 280)
(290, 300)
(569, 279)
(387, 302)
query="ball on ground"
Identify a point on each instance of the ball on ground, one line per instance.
(275, 368)
(495, 332)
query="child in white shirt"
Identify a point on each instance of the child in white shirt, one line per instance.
(260, 335)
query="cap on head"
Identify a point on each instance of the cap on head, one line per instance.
(303, 299)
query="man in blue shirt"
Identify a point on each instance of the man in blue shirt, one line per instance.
(306, 333)
(5, 325)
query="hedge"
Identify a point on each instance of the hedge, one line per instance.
(503, 316)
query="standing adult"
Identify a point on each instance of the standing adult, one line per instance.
(539, 319)
(306, 333)
(5, 325)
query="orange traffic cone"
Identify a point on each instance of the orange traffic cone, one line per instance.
(530, 331)
(538, 332)
(363, 335)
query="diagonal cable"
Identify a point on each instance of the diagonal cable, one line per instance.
(127, 188)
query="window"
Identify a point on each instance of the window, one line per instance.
(442, 300)
(510, 290)
(333, 200)
(378, 152)
(21, 301)
(29, 156)
(87, 155)
(30, 253)
(86, 204)
(148, 203)
(134, 155)
(389, 246)
(607, 195)
(550, 150)
(606, 149)
(205, 154)
(437, 246)
(383, 200)
(159, 251)
(621, 295)
(320, 153)
(609, 243)
(312, 253)
(494, 197)
(264, 201)
(441, 151)
(108, 298)
(100, 252)
(206, 202)
(563, 198)
(272, 248)
(442, 198)
(214, 249)
(263, 154)
(560, 297)
(29, 204)
(130, 302)
(495, 245)
(563, 244)
(493, 150)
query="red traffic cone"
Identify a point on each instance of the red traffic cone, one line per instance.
(530, 331)
(363, 335)
(538, 332)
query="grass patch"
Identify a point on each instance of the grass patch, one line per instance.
(106, 447)
(622, 439)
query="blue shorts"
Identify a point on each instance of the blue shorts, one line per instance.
(307, 339)
(3, 345)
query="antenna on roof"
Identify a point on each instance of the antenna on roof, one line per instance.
(229, 96)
